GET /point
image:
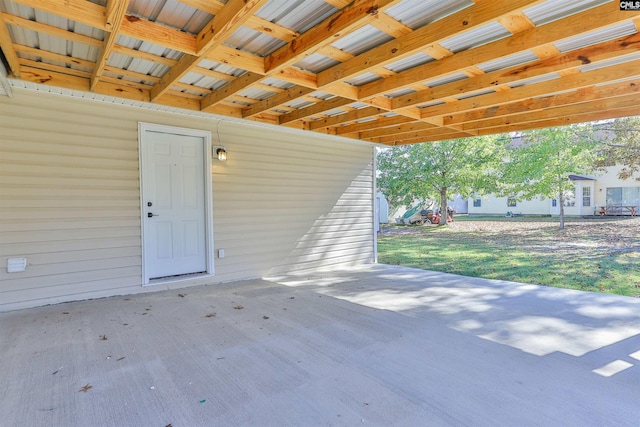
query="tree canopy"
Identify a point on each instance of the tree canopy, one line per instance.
(539, 164)
(622, 146)
(432, 171)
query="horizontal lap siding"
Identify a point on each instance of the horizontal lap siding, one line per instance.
(69, 200)
(69, 193)
(305, 204)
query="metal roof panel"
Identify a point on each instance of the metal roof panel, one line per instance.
(316, 63)
(361, 40)
(594, 37)
(417, 13)
(475, 37)
(297, 15)
(552, 10)
(410, 62)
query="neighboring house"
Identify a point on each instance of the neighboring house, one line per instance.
(591, 193)
(80, 179)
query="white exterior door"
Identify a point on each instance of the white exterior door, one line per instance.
(174, 210)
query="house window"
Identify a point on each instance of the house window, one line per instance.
(554, 203)
(511, 202)
(586, 196)
(569, 198)
(623, 196)
(477, 203)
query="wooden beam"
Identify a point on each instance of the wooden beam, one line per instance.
(229, 89)
(572, 82)
(530, 105)
(563, 121)
(274, 30)
(589, 20)
(115, 11)
(380, 123)
(131, 74)
(350, 116)
(417, 134)
(421, 138)
(51, 30)
(388, 25)
(311, 110)
(237, 58)
(276, 100)
(398, 130)
(231, 17)
(228, 20)
(50, 67)
(82, 11)
(412, 43)
(210, 6)
(6, 44)
(70, 60)
(619, 48)
(617, 103)
(354, 16)
(158, 34)
(138, 54)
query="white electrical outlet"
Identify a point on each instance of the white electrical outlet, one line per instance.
(220, 253)
(16, 265)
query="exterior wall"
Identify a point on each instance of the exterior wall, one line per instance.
(579, 208)
(70, 200)
(610, 179)
(492, 205)
(598, 187)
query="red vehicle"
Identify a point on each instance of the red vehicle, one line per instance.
(428, 217)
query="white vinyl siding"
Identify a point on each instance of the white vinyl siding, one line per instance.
(69, 199)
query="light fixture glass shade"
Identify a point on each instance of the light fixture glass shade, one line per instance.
(222, 154)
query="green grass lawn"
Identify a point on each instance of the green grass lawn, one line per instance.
(596, 256)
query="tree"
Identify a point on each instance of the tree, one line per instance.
(622, 146)
(541, 162)
(436, 170)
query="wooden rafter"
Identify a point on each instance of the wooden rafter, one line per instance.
(476, 102)
(230, 18)
(116, 9)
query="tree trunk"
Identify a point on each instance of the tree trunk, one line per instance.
(561, 202)
(443, 207)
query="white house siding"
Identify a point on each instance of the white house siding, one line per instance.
(70, 199)
(491, 205)
(609, 179)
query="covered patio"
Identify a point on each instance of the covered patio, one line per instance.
(375, 345)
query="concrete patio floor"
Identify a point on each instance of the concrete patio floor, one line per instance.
(379, 345)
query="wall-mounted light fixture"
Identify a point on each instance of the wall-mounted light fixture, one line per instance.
(220, 153)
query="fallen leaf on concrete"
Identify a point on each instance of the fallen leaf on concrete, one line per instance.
(182, 295)
(85, 388)
(168, 425)
(238, 307)
(117, 360)
(292, 297)
(65, 312)
(265, 317)
(211, 315)
(103, 337)
(143, 313)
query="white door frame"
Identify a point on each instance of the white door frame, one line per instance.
(208, 196)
